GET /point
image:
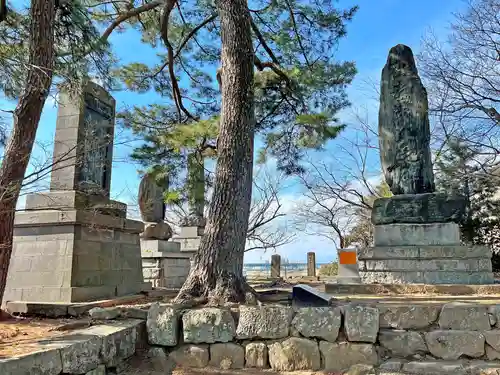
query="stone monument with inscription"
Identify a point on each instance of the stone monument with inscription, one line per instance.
(73, 243)
(416, 234)
(164, 264)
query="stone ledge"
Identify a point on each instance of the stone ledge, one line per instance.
(426, 252)
(75, 217)
(79, 352)
(418, 208)
(427, 277)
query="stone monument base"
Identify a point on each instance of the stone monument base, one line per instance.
(74, 256)
(424, 254)
(189, 238)
(164, 264)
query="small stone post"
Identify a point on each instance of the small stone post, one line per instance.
(275, 266)
(311, 264)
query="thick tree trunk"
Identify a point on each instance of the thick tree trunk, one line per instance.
(217, 273)
(26, 118)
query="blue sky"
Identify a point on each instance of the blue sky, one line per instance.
(379, 25)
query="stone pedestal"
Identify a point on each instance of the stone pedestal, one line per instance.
(164, 264)
(73, 256)
(424, 253)
(189, 238)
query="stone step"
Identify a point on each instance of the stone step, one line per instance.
(417, 234)
(425, 252)
(427, 277)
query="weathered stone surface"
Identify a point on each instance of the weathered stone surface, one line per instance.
(408, 316)
(44, 362)
(157, 231)
(151, 200)
(341, 356)
(107, 313)
(318, 322)
(402, 343)
(464, 316)
(392, 365)
(256, 355)
(416, 234)
(493, 338)
(452, 344)
(227, 356)
(160, 360)
(100, 370)
(434, 368)
(404, 131)
(361, 323)
(494, 311)
(360, 370)
(134, 313)
(191, 356)
(162, 325)
(491, 353)
(266, 322)
(493, 319)
(119, 339)
(81, 353)
(208, 325)
(294, 354)
(418, 208)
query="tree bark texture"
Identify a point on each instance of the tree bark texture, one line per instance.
(217, 272)
(26, 118)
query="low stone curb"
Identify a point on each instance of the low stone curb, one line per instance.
(86, 351)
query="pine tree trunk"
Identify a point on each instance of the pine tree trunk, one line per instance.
(217, 272)
(26, 118)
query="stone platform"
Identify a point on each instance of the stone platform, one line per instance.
(164, 264)
(424, 254)
(74, 256)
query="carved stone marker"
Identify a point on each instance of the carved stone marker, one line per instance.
(404, 132)
(74, 244)
(416, 236)
(275, 266)
(152, 207)
(311, 264)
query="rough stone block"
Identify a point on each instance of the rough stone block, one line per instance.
(80, 353)
(162, 325)
(294, 354)
(266, 322)
(393, 365)
(464, 316)
(208, 325)
(341, 356)
(361, 323)
(227, 356)
(452, 344)
(160, 361)
(196, 356)
(418, 208)
(402, 343)
(318, 322)
(494, 312)
(44, 362)
(434, 368)
(119, 339)
(106, 313)
(417, 234)
(256, 355)
(493, 338)
(100, 370)
(133, 313)
(408, 316)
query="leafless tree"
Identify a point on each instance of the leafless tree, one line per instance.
(462, 76)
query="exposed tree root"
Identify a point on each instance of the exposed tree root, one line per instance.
(225, 288)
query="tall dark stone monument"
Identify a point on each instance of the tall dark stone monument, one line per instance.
(73, 243)
(416, 236)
